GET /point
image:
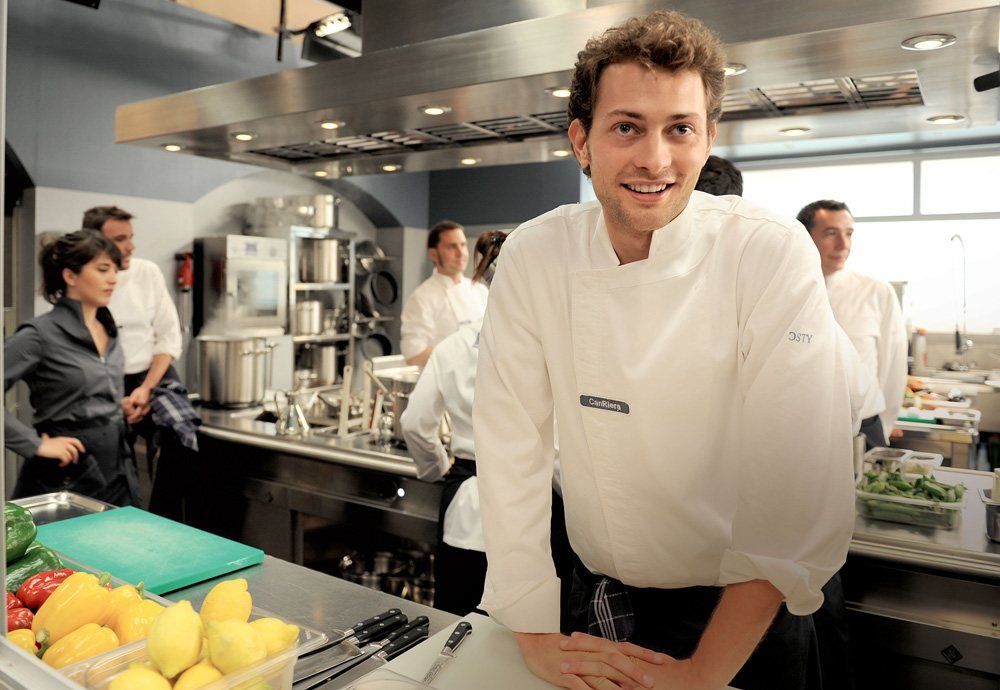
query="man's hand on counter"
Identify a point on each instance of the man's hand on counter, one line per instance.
(583, 662)
(65, 449)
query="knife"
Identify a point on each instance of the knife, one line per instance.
(352, 631)
(394, 644)
(448, 651)
(375, 631)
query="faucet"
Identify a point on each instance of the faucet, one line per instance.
(962, 342)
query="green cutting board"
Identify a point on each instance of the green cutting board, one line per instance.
(137, 546)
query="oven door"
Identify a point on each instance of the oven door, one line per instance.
(256, 294)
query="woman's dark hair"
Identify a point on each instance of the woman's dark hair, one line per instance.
(488, 247)
(73, 250)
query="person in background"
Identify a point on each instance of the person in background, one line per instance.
(155, 402)
(443, 302)
(706, 487)
(867, 310)
(71, 360)
(447, 385)
(719, 177)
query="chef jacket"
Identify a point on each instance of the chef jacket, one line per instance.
(869, 313)
(145, 314)
(436, 309)
(67, 379)
(447, 383)
(704, 420)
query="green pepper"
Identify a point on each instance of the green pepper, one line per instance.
(20, 530)
(37, 558)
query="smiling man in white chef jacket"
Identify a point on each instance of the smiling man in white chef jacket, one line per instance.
(687, 347)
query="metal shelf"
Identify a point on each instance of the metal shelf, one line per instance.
(332, 338)
(301, 287)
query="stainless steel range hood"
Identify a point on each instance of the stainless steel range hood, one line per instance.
(835, 68)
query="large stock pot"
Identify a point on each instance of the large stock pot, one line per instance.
(233, 371)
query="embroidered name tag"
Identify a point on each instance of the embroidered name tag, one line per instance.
(604, 404)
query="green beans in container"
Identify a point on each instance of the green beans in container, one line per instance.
(921, 501)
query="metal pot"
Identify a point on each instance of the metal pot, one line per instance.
(307, 319)
(319, 261)
(325, 363)
(401, 389)
(233, 371)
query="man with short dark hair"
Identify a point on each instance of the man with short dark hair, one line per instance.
(685, 345)
(443, 302)
(720, 177)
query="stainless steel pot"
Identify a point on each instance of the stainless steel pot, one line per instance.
(233, 371)
(325, 363)
(307, 319)
(319, 261)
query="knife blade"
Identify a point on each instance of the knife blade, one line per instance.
(458, 635)
(352, 631)
(375, 631)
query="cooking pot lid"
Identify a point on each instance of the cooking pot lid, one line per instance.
(376, 345)
(384, 288)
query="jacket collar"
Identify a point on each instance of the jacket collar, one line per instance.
(68, 315)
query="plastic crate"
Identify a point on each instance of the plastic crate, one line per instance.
(909, 511)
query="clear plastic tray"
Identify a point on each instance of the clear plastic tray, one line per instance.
(909, 511)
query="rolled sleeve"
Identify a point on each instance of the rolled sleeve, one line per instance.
(166, 324)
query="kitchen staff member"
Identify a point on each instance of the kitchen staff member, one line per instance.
(867, 310)
(443, 302)
(686, 346)
(447, 384)
(719, 177)
(155, 402)
(72, 361)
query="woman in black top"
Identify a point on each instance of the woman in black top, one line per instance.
(73, 364)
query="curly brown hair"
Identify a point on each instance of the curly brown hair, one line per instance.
(665, 39)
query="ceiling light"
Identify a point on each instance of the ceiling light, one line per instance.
(928, 42)
(946, 119)
(470, 161)
(335, 23)
(244, 136)
(734, 68)
(391, 167)
(795, 131)
(173, 148)
(560, 153)
(331, 124)
(434, 109)
(321, 173)
(558, 91)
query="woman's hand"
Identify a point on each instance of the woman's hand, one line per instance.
(579, 663)
(65, 449)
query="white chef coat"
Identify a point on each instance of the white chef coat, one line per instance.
(145, 314)
(868, 311)
(436, 309)
(866, 396)
(704, 421)
(448, 383)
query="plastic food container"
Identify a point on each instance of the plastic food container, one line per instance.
(887, 459)
(909, 511)
(276, 671)
(922, 463)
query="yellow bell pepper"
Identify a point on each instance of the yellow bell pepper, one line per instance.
(23, 638)
(133, 623)
(79, 600)
(86, 641)
(122, 598)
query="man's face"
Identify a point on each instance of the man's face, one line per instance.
(120, 232)
(451, 256)
(648, 142)
(831, 231)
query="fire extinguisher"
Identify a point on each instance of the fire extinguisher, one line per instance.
(185, 282)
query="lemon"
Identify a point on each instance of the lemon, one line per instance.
(228, 600)
(199, 675)
(139, 678)
(258, 683)
(234, 645)
(174, 639)
(278, 635)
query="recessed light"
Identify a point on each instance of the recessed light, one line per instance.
(434, 109)
(391, 167)
(946, 119)
(244, 136)
(795, 131)
(560, 153)
(928, 42)
(734, 68)
(331, 124)
(558, 91)
(321, 173)
(173, 148)
(470, 161)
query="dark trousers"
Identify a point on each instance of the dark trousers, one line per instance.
(672, 621)
(874, 432)
(170, 463)
(459, 574)
(833, 635)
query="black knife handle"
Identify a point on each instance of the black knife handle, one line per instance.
(404, 642)
(358, 627)
(378, 630)
(458, 634)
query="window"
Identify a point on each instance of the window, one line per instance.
(960, 185)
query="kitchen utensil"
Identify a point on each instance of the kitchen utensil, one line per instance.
(319, 261)
(353, 630)
(989, 498)
(308, 317)
(349, 649)
(141, 547)
(383, 650)
(292, 419)
(402, 386)
(326, 364)
(233, 371)
(447, 653)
